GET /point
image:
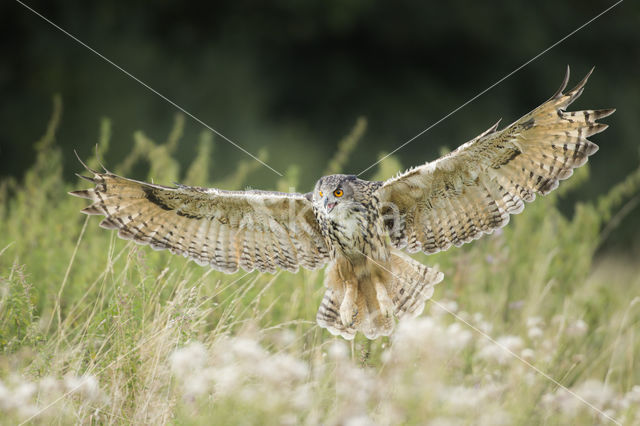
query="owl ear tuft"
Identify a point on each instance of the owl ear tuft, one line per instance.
(308, 196)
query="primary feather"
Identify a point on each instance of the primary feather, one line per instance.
(260, 230)
(474, 189)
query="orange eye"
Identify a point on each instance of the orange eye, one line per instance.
(320, 193)
(338, 193)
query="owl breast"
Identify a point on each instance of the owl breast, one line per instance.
(348, 229)
(354, 233)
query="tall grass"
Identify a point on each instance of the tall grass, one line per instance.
(94, 329)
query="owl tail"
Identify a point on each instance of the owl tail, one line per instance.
(407, 285)
(412, 284)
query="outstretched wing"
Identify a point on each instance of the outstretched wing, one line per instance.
(225, 229)
(474, 189)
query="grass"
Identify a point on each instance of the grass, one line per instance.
(97, 330)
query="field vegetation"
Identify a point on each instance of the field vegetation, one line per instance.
(97, 330)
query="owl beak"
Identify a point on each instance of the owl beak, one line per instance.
(328, 206)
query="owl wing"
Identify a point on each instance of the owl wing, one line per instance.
(474, 189)
(225, 229)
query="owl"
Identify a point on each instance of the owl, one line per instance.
(361, 229)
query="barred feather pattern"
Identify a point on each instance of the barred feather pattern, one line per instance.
(474, 189)
(409, 283)
(227, 230)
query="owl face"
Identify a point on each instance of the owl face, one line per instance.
(334, 194)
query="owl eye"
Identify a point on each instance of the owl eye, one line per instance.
(320, 193)
(338, 193)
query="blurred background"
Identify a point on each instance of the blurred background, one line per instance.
(292, 78)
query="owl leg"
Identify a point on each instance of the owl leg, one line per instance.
(348, 307)
(385, 302)
(381, 307)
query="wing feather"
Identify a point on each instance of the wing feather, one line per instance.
(474, 189)
(225, 229)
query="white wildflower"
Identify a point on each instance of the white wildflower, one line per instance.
(528, 354)
(227, 379)
(282, 369)
(608, 414)
(302, 397)
(338, 350)
(567, 403)
(593, 391)
(577, 329)
(198, 383)
(458, 337)
(534, 322)
(485, 326)
(19, 398)
(446, 421)
(285, 337)
(596, 392)
(248, 394)
(634, 394)
(548, 400)
(513, 343)
(464, 315)
(495, 418)
(630, 398)
(289, 419)
(501, 352)
(389, 413)
(87, 385)
(24, 392)
(548, 349)
(535, 333)
(443, 307)
(464, 398)
(530, 378)
(413, 333)
(187, 360)
(387, 356)
(49, 386)
(271, 398)
(247, 349)
(360, 420)
(354, 385)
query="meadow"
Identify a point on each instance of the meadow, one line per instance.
(531, 325)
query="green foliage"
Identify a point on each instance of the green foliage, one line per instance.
(346, 147)
(18, 324)
(198, 173)
(388, 167)
(163, 166)
(110, 332)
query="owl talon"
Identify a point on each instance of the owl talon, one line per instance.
(384, 301)
(348, 312)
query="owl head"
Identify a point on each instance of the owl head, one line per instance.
(335, 194)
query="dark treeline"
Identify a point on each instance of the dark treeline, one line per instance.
(293, 77)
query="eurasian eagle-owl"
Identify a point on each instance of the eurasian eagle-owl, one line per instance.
(359, 227)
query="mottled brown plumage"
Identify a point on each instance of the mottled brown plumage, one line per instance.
(360, 227)
(474, 189)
